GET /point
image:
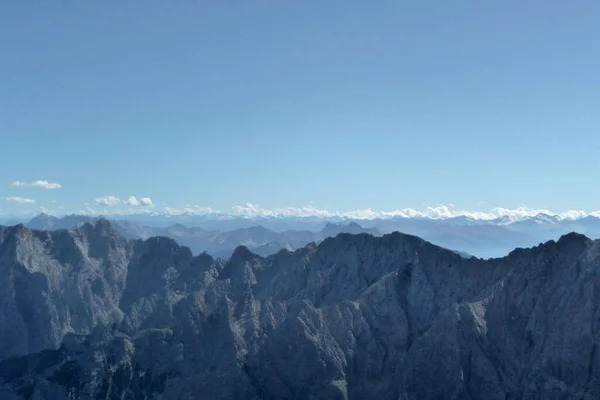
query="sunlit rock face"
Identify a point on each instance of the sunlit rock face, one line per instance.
(87, 314)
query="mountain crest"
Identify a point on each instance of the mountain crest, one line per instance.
(573, 237)
(357, 316)
(101, 227)
(242, 254)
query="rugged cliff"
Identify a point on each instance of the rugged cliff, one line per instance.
(87, 314)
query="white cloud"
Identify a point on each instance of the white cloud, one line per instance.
(20, 200)
(437, 212)
(110, 201)
(113, 205)
(39, 184)
(190, 209)
(254, 210)
(143, 202)
(572, 215)
(117, 211)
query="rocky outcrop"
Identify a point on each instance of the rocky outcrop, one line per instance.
(52, 283)
(354, 317)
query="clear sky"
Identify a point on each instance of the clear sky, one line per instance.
(341, 105)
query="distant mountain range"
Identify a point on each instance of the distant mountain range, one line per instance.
(217, 243)
(218, 235)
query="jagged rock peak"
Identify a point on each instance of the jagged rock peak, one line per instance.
(7, 232)
(358, 316)
(102, 227)
(388, 240)
(242, 253)
(572, 242)
(574, 237)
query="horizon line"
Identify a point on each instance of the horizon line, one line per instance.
(254, 211)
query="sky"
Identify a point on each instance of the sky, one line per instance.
(340, 105)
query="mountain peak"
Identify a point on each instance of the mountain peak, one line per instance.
(397, 291)
(331, 229)
(574, 238)
(101, 227)
(242, 253)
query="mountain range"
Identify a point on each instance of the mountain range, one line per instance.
(220, 235)
(218, 243)
(88, 314)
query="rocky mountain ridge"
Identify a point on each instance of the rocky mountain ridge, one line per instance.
(88, 314)
(265, 236)
(218, 243)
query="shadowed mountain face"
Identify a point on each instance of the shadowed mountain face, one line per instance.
(88, 314)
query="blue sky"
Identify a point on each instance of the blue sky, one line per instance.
(340, 105)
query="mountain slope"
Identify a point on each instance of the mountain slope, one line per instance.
(55, 282)
(356, 316)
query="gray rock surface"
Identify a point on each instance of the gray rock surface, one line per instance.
(88, 315)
